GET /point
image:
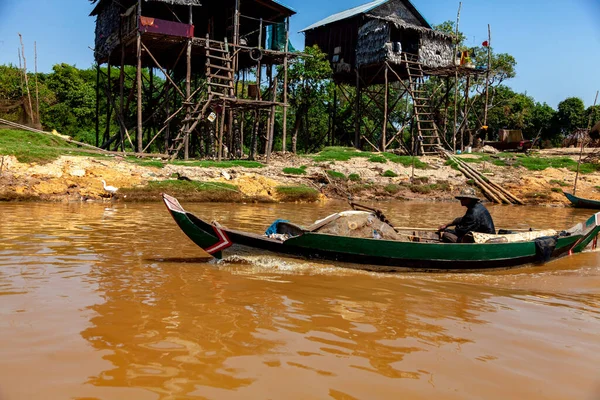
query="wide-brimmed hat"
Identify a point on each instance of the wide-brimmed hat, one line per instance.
(468, 193)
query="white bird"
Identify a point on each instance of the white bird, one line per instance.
(109, 189)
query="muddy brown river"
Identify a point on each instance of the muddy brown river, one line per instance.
(101, 301)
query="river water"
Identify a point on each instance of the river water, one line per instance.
(101, 301)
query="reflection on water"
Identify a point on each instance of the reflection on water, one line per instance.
(115, 302)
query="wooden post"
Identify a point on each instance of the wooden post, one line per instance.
(385, 110)
(582, 142)
(487, 80)
(122, 87)
(139, 133)
(334, 116)
(108, 103)
(97, 105)
(271, 132)
(285, 84)
(37, 92)
(466, 120)
(188, 90)
(167, 109)
(456, 81)
(357, 111)
(26, 79)
(221, 127)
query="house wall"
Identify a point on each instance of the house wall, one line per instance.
(435, 52)
(337, 39)
(371, 45)
(107, 29)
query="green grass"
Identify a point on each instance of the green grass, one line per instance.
(220, 164)
(378, 159)
(297, 193)
(389, 174)
(557, 190)
(559, 183)
(29, 147)
(177, 185)
(354, 177)
(335, 175)
(146, 163)
(336, 153)
(295, 171)
(406, 161)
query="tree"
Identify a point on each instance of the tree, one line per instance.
(570, 115)
(309, 87)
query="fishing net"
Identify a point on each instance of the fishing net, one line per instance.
(360, 224)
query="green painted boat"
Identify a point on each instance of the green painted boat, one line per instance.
(385, 255)
(580, 202)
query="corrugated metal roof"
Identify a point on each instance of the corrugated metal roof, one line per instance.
(346, 14)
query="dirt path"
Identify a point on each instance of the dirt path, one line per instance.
(75, 178)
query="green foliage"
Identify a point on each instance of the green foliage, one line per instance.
(295, 171)
(389, 174)
(219, 164)
(557, 190)
(570, 115)
(297, 193)
(335, 174)
(354, 177)
(378, 159)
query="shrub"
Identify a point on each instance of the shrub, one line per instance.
(391, 188)
(557, 190)
(389, 174)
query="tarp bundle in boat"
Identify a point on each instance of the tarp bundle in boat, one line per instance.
(360, 224)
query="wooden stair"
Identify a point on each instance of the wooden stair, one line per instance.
(423, 110)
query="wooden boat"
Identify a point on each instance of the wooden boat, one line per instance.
(580, 202)
(418, 251)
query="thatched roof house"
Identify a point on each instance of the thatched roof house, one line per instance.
(366, 36)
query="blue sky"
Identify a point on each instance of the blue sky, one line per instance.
(556, 43)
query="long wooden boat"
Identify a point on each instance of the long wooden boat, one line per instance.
(580, 202)
(384, 255)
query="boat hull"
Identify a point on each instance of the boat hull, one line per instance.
(580, 202)
(383, 255)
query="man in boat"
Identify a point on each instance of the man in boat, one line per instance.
(476, 219)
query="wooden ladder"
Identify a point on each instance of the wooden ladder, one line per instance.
(426, 127)
(219, 72)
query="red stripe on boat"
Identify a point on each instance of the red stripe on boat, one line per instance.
(223, 243)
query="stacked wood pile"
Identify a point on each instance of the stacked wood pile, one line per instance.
(492, 191)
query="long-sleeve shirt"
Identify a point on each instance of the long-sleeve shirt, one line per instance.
(476, 219)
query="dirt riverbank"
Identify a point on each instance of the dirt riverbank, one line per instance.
(78, 178)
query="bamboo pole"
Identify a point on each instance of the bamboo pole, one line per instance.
(582, 145)
(271, 131)
(26, 79)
